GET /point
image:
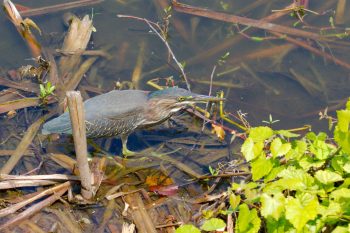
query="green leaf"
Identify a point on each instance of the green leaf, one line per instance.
(42, 90)
(321, 149)
(311, 136)
(339, 194)
(295, 179)
(327, 177)
(343, 120)
(251, 150)
(343, 139)
(341, 132)
(187, 228)
(287, 134)
(333, 211)
(301, 209)
(234, 201)
(272, 206)
(280, 226)
(273, 174)
(340, 229)
(278, 148)
(260, 134)
(248, 220)
(299, 147)
(348, 104)
(308, 162)
(261, 167)
(341, 164)
(247, 149)
(214, 224)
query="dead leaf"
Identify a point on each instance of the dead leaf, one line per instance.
(155, 180)
(219, 131)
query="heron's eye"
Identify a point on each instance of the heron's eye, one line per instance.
(181, 99)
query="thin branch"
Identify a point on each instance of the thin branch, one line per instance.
(153, 27)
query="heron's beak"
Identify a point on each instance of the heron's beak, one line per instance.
(205, 99)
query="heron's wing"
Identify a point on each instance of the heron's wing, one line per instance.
(122, 112)
(115, 104)
(120, 107)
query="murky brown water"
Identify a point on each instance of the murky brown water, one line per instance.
(286, 100)
(259, 77)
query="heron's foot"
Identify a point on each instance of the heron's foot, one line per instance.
(126, 152)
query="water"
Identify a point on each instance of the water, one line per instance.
(293, 105)
(255, 81)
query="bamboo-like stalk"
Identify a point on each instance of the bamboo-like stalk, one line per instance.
(35, 208)
(77, 117)
(13, 208)
(141, 218)
(339, 13)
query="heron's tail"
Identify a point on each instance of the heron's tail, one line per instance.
(61, 125)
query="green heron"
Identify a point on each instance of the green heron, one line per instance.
(119, 113)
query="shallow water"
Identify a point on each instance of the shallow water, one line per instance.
(254, 80)
(287, 100)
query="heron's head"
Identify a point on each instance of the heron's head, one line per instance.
(174, 99)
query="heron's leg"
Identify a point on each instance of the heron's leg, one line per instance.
(125, 151)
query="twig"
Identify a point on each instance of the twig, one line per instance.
(209, 94)
(275, 29)
(38, 177)
(246, 21)
(77, 117)
(11, 184)
(59, 7)
(153, 26)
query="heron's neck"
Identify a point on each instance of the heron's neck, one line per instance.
(156, 112)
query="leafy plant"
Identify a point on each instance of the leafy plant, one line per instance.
(45, 91)
(298, 183)
(270, 121)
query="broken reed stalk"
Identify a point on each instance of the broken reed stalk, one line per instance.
(21, 26)
(140, 216)
(77, 117)
(37, 207)
(13, 208)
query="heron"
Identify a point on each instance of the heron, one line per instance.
(121, 112)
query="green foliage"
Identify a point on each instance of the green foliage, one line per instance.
(298, 183)
(45, 91)
(270, 121)
(248, 220)
(213, 224)
(187, 228)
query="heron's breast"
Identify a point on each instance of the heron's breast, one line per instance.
(110, 127)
